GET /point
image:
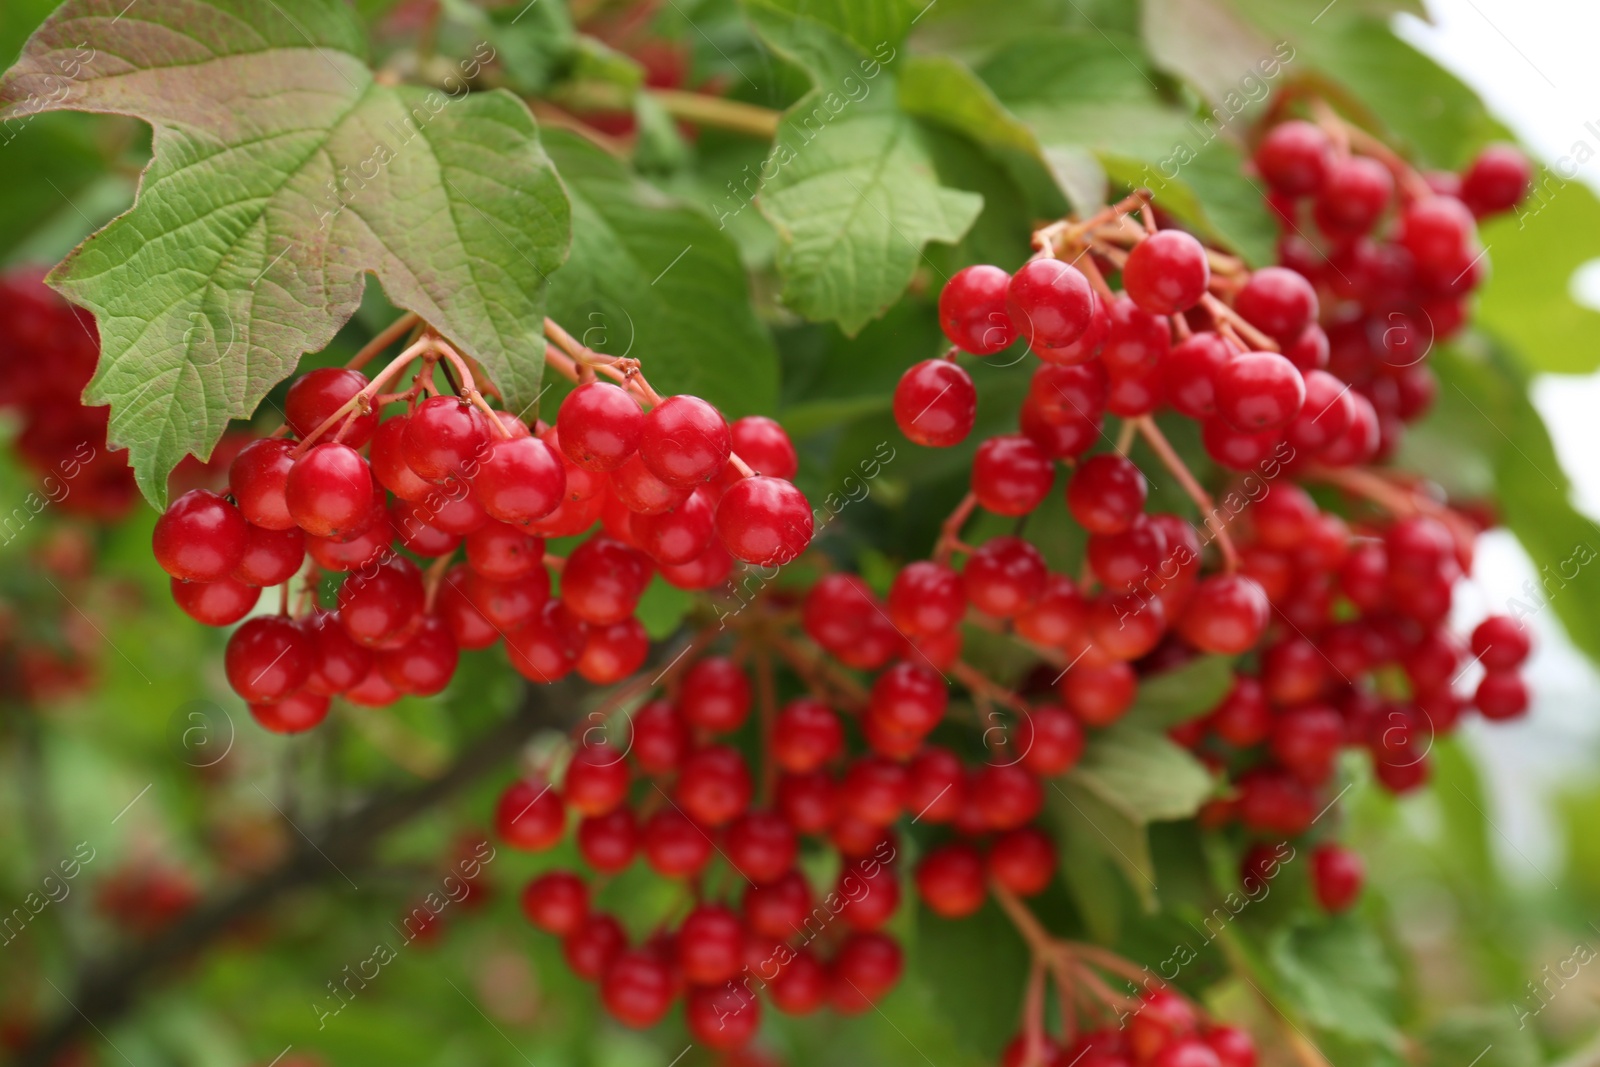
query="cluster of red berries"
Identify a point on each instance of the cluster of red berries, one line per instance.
(1395, 254)
(48, 350)
(674, 490)
(1332, 614)
(1353, 606)
(678, 796)
(1158, 1029)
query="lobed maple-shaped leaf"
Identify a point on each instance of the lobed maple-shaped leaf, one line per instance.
(285, 170)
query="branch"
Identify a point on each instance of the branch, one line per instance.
(108, 988)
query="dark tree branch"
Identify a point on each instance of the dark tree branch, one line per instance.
(109, 988)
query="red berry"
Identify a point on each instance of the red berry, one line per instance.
(1440, 234)
(1496, 180)
(1500, 643)
(1243, 718)
(722, 1017)
(677, 536)
(377, 603)
(1189, 373)
(1137, 341)
(316, 395)
(685, 441)
(660, 737)
(637, 988)
(602, 581)
(424, 665)
(519, 480)
(935, 403)
(674, 845)
(219, 603)
(258, 479)
(1004, 576)
(1337, 874)
(714, 785)
(642, 492)
(1233, 1046)
(863, 970)
(1052, 739)
(1501, 695)
(1279, 301)
(331, 493)
(806, 735)
(950, 880)
(530, 816)
(1050, 303)
(1106, 494)
(597, 779)
(200, 537)
(715, 695)
(1259, 391)
(503, 553)
(1167, 272)
(972, 310)
(556, 902)
(267, 659)
(1007, 797)
(926, 598)
(765, 521)
(1058, 618)
(1227, 614)
(1294, 157)
(761, 846)
(445, 435)
(764, 445)
(908, 699)
(1098, 695)
(594, 945)
(271, 557)
(1011, 475)
(711, 945)
(294, 714)
(1353, 196)
(599, 426)
(801, 987)
(1163, 1018)
(608, 842)
(1023, 860)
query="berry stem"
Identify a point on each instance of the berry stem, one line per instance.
(815, 669)
(982, 685)
(433, 578)
(950, 532)
(704, 110)
(386, 337)
(1169, 457)
(1033, 1014)
(1221, 312)
(362, 401)
(1350, 136)
(767, 696)
(1397, 500)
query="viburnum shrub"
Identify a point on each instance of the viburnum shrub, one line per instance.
(1182, 579)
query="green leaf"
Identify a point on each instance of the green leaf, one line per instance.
(1130, 777)
(1483, 409)
(1338, 975)
(869, 24)
(1424, 106)
(1205, 42)
(1177, 696)
(241, 253)
(1534, 254)
(851, 185)
(1092, 92)
(946, 91)
(1143, 774)
(975, 970)
(652, 278)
